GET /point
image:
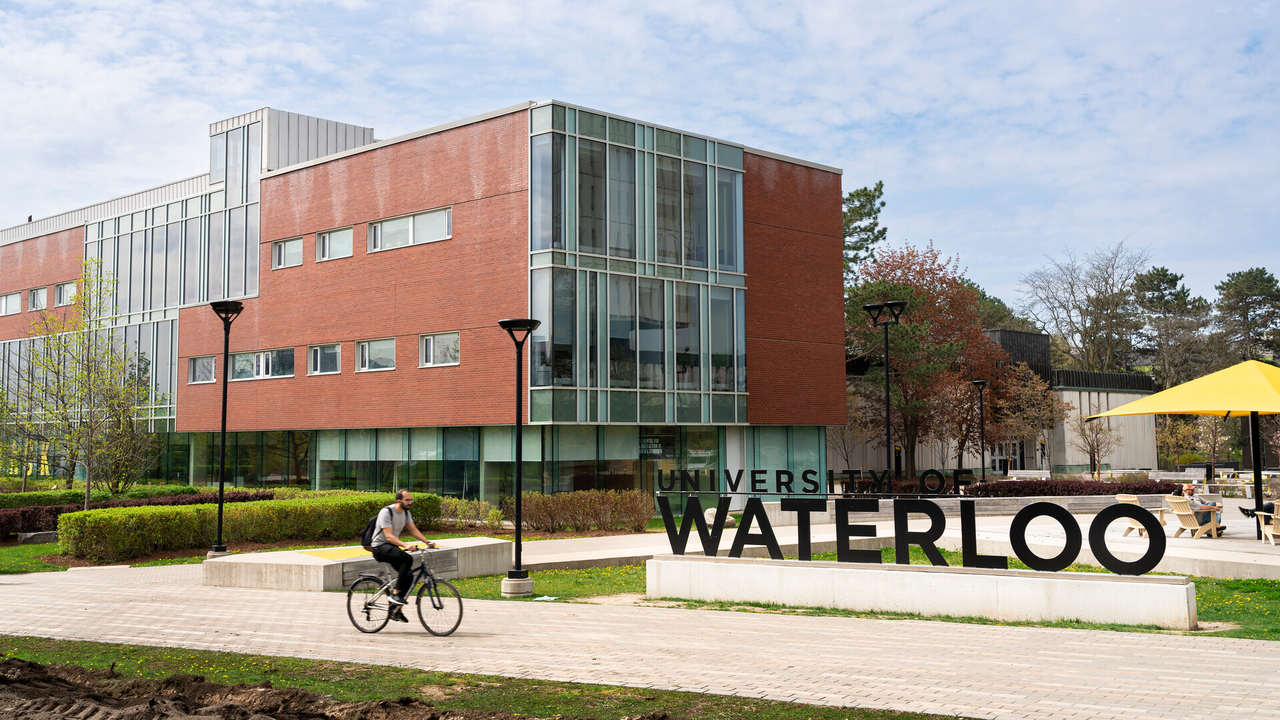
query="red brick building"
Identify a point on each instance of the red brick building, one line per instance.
(689, 292)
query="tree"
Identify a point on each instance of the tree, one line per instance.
(848, 438)
(1095, 438)
(862, 229)
(1215, 437)
(1088, 303)
(1174, 327)
(1249, 312)
(77, 394)
(994, 314)
(938, 345)
(1030, 409)
(1175, 438)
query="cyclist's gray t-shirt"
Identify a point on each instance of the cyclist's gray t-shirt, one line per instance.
(387, 518)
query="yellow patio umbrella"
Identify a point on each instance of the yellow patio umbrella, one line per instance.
(1251, 388)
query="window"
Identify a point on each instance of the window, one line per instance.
(376, 355)
(441, 349)
(333, 244)
(36, 299)
(64, 294)
(11, 304)
(324, 359)
(268, 364)
(286, 253)
(411, 230)
(201, 370)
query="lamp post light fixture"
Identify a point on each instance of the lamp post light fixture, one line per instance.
(876, 310)
(518, 583)
(228, 311)
(982, 425)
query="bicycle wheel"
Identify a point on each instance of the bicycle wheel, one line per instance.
(439, 607)
(367, 606)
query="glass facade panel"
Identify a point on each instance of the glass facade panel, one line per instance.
(191, 262)
(729, 220)
(729, 155)
(215, 256)
(695, 148)
(235, 252)
(622, 131)
(540, 338)
(218, 158)
(695, 214)
(252, 251)
(547, 192)
(622, 331)
(652, 328)
(563, 325)
(591, 125)
(576, 455)
(688, 346)
(722, 409)
(667, 222)
(235, 166)
(740, 337)
(622, 406)
(666, 141)
(592, 190)
(138, 278)
(155, 296)
(173, 267)
(622, 202)
(688, 408)
(722, 347)
(620, 458)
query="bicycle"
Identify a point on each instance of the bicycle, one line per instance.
(369, 605)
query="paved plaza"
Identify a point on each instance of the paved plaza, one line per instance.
(947, 668)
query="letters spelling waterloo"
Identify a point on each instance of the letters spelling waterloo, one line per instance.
(808, 500)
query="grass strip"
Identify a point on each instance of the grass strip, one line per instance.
(353, 682)
(22, 559)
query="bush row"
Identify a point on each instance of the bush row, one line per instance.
(114, 534)
(1059, 488)
(466, 513)
(70, 497)
(583, 510)
(39, 518)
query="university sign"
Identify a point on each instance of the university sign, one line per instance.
(755, 528)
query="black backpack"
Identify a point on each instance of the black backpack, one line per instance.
(366, 535)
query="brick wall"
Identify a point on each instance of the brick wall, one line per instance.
(795, 302)
(466, 284)
(38, 262)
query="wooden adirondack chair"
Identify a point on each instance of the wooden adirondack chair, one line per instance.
(1187, 518)
(1134, 524)
(1270, 525)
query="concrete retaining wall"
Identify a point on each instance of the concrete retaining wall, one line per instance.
(1008, 595)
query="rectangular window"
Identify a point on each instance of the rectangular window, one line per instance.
(267, 364)
(540, 338)
(65, 294)
(11, 304)
(622, 331)
(333, 245)
(191, 262)
(201, 370)
(688, 337)
(546, 191)
(411, 230)
(173, 266)
(695, 214)
(36, 299)
(722, 347)
(591, 197)
(622, 202)
(286, 253)
(438, 349)
(652, 318)
(218, 158)
(667, 202)
(376, 355)
(216, 244)
(729, 220)
(324, 359)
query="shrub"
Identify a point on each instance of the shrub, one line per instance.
(40, 518)
(632, 510)
(50, 497)
(494, 520)
(112, 534)
(543, 512)
(1060, 488)
(578, 508)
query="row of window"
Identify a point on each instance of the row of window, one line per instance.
(417, 229)
(371, 356)
(37, 299)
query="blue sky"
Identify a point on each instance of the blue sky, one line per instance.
(1003, 131)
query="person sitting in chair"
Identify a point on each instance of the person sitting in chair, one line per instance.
(1267, 507)
(1203, 509)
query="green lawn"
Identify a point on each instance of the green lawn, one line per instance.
(562, 584)
(22, 559)
(351, 682)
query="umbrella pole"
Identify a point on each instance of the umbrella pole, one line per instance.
(1255, 441)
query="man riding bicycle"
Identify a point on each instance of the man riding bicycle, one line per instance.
(388, 548)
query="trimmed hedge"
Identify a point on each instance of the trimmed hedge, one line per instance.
(582, 510)
(1060, 488)
(71, 497)
(114, 534)
(39, 518)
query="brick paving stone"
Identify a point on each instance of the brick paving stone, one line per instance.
(947, 668)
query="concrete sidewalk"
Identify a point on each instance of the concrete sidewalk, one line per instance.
(985, 671)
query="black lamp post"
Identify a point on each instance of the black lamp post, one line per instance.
(519, 330)
(228, 311)
(895, 308)
(982, 425)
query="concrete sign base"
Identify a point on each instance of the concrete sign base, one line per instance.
(1007, 595)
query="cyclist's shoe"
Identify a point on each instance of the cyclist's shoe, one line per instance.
(397, 600)
(398, 615)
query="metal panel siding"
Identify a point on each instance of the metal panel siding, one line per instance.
(293, 140)
(332, 135)
(313, 137)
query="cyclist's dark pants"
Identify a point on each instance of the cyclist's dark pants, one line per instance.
(398, 559)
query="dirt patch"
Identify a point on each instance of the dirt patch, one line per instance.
(30, 691)
(1208, 627)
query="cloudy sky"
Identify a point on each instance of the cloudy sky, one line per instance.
(1003, 131)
